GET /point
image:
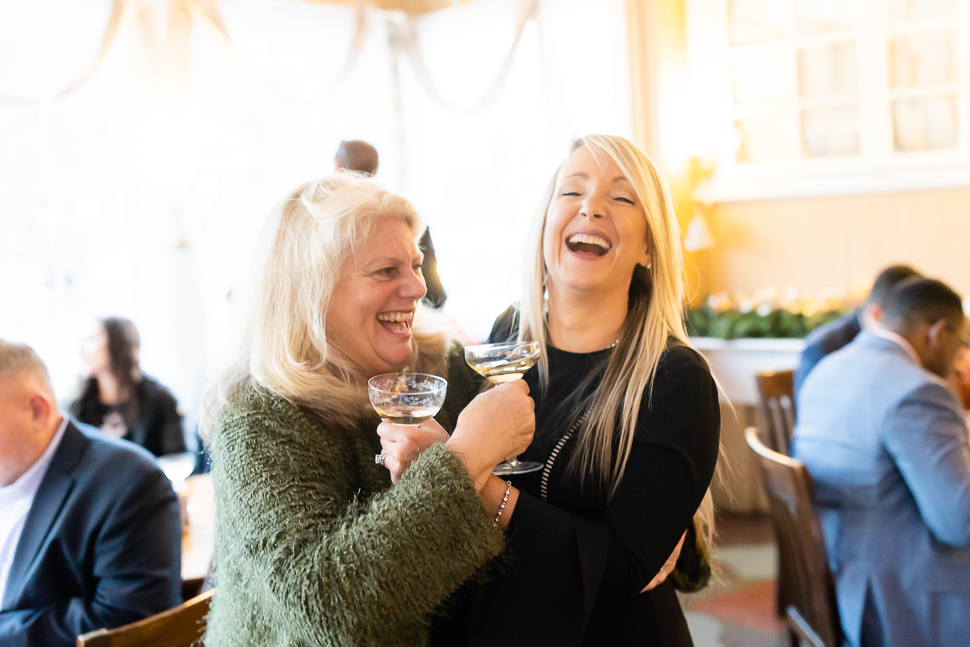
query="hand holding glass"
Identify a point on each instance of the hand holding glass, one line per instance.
(504, 363)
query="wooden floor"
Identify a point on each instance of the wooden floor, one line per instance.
(738, 609)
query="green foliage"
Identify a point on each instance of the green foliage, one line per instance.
(734, 324)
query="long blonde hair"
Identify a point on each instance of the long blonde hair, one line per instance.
(284, 347)
(655, 315)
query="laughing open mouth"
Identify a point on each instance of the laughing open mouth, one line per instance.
(589, 244)
(396, 322)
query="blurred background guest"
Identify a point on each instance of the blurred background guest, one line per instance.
(887, 447)
(357, 156)
(121, 400)
(836, 334)
(89, 526)
(362, 157)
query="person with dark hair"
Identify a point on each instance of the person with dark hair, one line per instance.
(121, 400)
(362, 157)
(836, 334)
(90, 535)
(885, 442)
(356, 156)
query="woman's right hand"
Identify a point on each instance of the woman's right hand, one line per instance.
(498, 424)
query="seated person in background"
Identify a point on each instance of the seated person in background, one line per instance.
(121, 400)
(357, 156)
(885, 442)
(90, 535)
(836, 334)
(362, 157)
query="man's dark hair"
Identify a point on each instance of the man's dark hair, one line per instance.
(357, 156)
(920, 300)
(886, 281)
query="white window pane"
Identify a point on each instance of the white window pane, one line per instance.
(923, 124)
(827, 70)
(908, 11)
(820, 16)
(759, 77)
(830, 131)
(757, 21)
(763, 138)
(923, 58)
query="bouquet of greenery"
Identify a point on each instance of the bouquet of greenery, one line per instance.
(766, 317)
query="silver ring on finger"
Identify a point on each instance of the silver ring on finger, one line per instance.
(379, 458)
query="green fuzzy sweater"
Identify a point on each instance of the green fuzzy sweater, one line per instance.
(313, 544)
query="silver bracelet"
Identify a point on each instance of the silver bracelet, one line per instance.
(505, 499)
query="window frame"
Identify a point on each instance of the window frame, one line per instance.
(877, 167)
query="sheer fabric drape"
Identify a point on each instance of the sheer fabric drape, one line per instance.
(143, 191)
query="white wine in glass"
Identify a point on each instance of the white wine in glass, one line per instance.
(505, 363)
(404, 414)
(407, 398)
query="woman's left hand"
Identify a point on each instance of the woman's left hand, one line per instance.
(668, 566)
(402, 444)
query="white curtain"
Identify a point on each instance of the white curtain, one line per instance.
(142, 192)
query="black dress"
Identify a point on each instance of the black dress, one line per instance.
(576, 563)
(152, 418)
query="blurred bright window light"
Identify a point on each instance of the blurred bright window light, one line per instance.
(144, 192)
(47, 46)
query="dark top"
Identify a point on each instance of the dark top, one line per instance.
(435, 296)
(825, 340)
(152, 417)
(578, 563)
(100, 547)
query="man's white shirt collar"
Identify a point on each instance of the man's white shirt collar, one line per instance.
(30, 480)
(901, 341)
(16, 500)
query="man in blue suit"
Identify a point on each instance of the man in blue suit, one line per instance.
(834, 335)
(89, 525)
(886, 444)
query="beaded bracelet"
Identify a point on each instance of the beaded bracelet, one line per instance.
(505, 499)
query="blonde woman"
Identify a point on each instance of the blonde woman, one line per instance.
(314, 546)
(627, 422)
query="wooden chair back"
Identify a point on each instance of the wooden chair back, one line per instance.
(182, 626)
(806, 589)
(777, 390)
(192, 588)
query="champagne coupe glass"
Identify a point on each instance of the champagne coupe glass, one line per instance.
(177, 467)
(407, 398)
(504, 363)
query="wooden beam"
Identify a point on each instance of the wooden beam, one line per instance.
(407, 6)
(641, 33)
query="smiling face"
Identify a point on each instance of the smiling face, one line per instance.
(374, 300)
(595, 231)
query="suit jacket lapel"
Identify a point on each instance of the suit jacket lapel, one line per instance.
(48, 501)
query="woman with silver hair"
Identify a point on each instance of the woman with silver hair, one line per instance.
(314, 546)
(627, 422)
